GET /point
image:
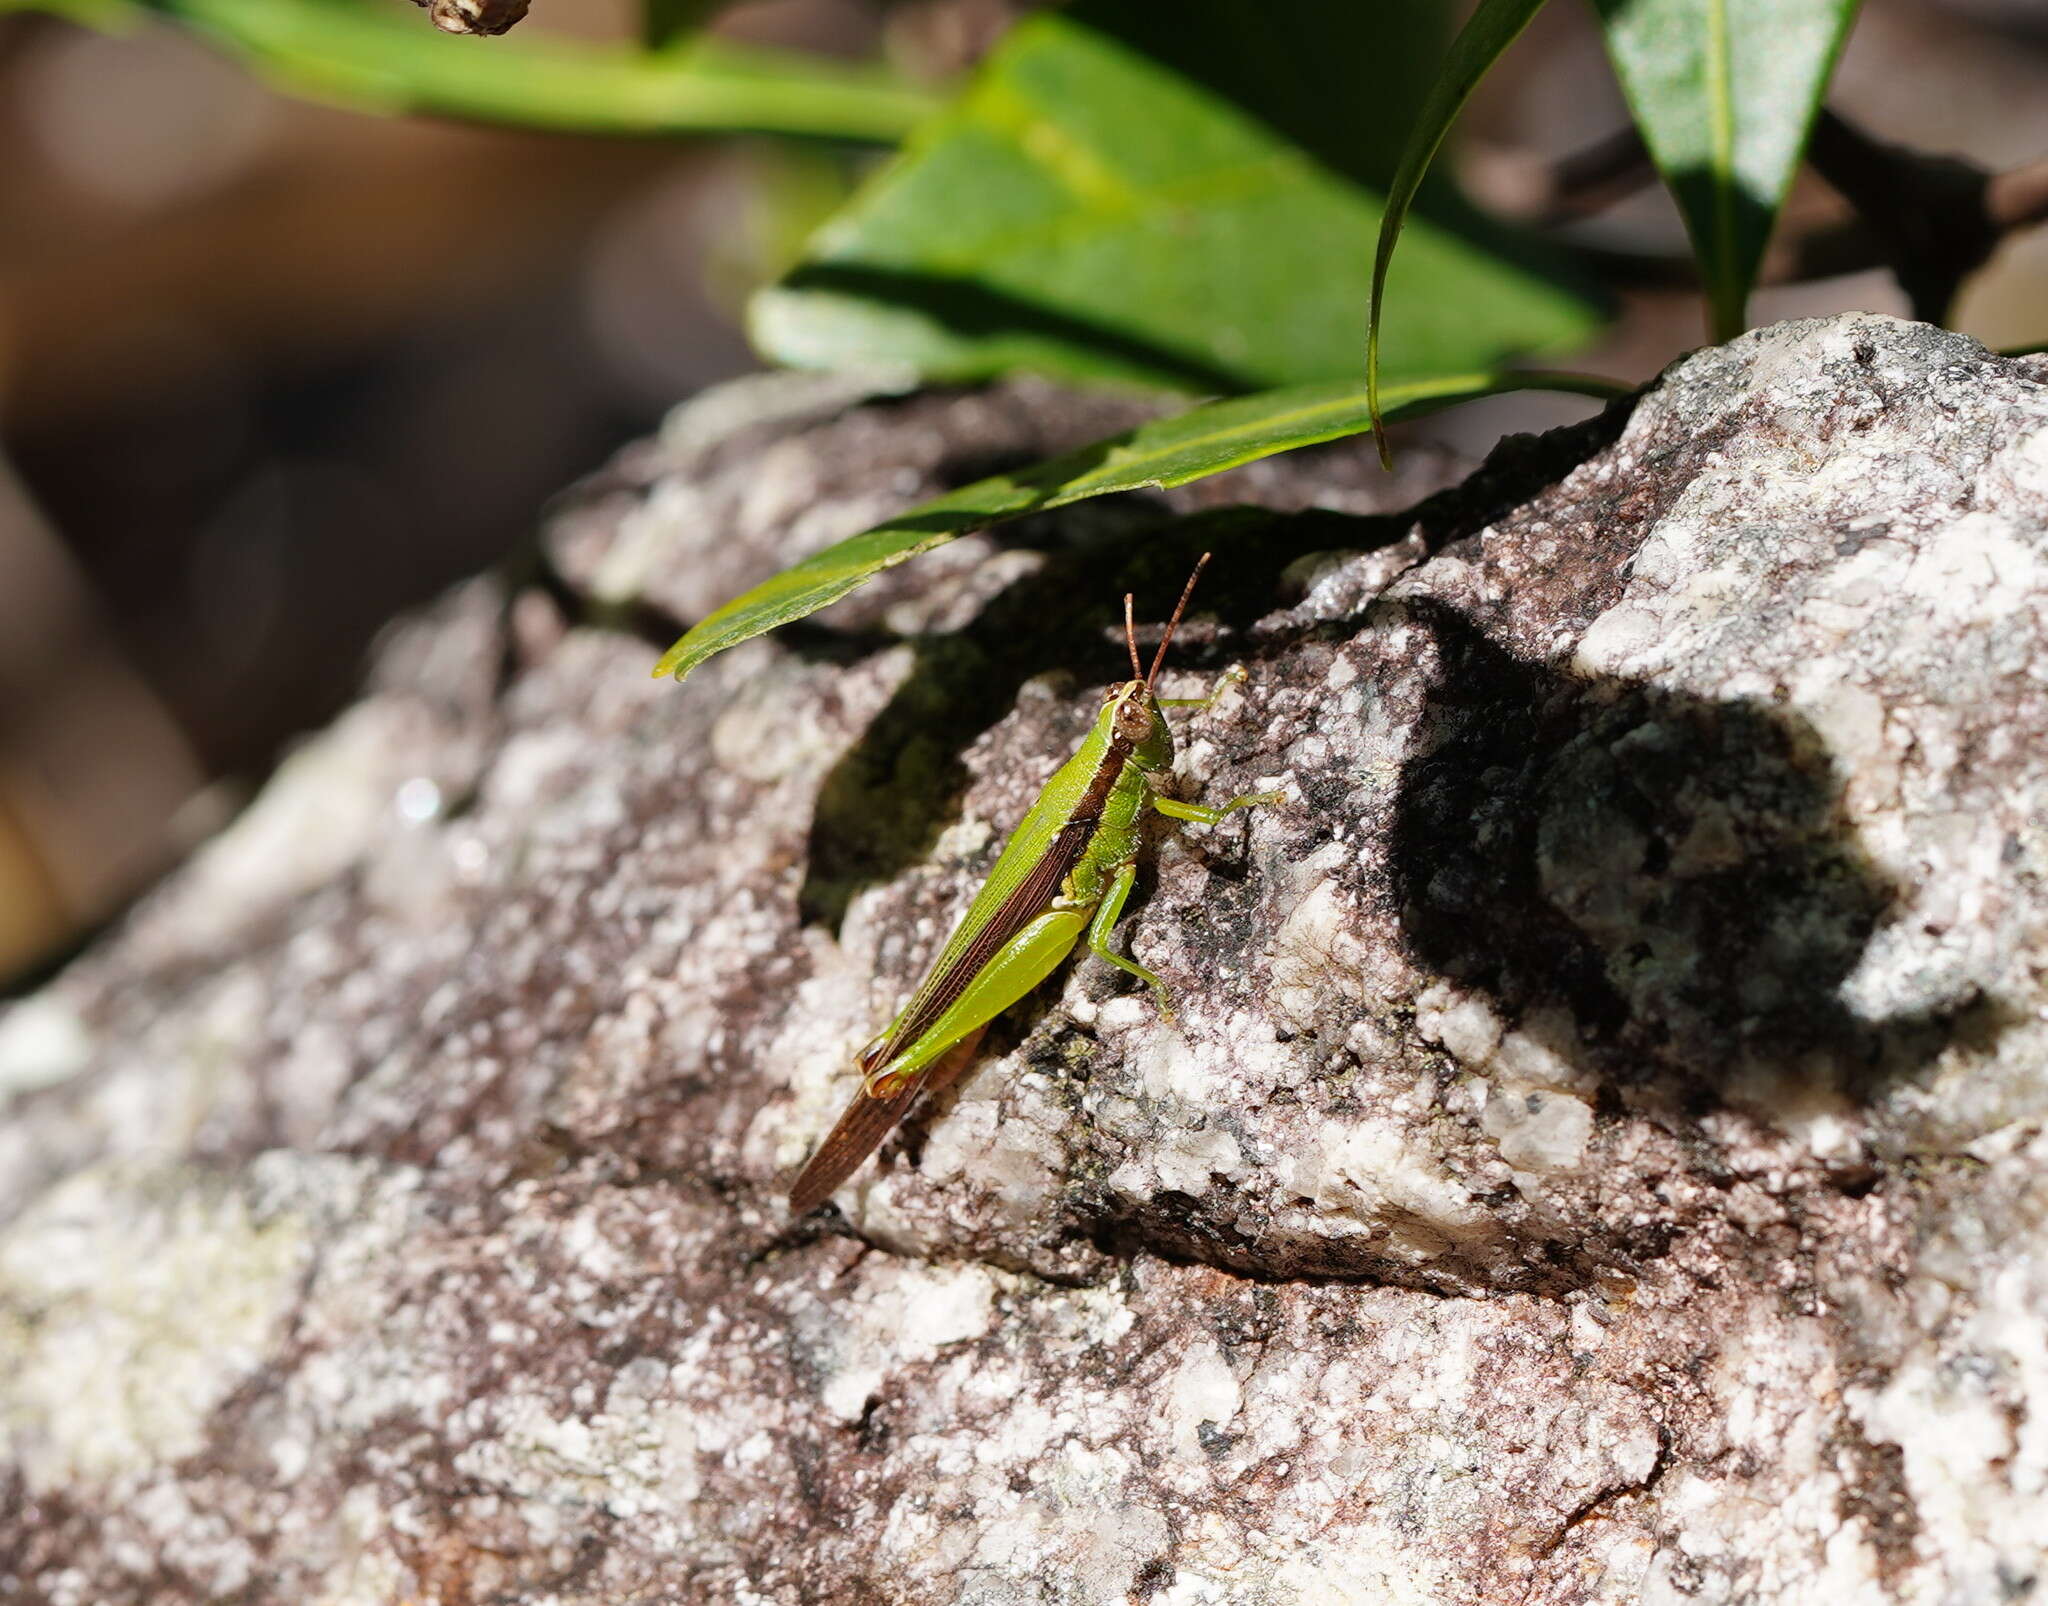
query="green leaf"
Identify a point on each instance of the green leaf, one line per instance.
(379, 58)
(1180, 196)
(1725, 93)
(1494, 26)
(1166, 452)
(110, 15)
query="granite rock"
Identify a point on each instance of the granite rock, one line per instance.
(1597, 1153)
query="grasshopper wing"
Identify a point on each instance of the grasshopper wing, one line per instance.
(865, 1122)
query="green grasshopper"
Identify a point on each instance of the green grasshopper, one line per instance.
(1066, 871)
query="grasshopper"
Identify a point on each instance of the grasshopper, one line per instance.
(1065, 873)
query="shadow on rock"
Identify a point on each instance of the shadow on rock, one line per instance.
(1679, 874)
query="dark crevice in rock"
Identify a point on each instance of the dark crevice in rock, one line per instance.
(1517, 471)
(1179, 1230)
(1875, 1492)
(1597, 1504)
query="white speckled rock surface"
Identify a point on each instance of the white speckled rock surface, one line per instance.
(1600, 1153)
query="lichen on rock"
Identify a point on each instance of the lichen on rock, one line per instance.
(1596, 1154)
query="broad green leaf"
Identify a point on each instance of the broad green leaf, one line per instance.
(1725, 93)
(1494, 26)
(1166, 452)
(379, 58)
(1180, 196)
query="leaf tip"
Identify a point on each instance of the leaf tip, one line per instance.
(678, 661)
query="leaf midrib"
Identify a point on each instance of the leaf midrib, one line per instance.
(1721, 135)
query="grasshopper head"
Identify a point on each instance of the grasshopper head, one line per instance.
(1134, 711)
(1137, 720)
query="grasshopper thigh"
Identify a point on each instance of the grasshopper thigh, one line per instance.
(1017, 967)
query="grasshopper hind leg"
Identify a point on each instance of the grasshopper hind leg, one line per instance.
(1017, 967)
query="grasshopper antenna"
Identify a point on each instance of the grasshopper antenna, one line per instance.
(1179, 608)
(1131, 637)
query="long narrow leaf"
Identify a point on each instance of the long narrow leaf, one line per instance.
(1725, 93)
(110, 15)
(383, 60)
(1494, 26)
(1166, 452)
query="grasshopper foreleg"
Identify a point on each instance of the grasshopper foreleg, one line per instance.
(1235, 675)
(1202, 814)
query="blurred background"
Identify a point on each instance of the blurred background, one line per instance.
(273, 371)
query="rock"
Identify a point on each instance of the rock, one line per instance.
(1598, 1153)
